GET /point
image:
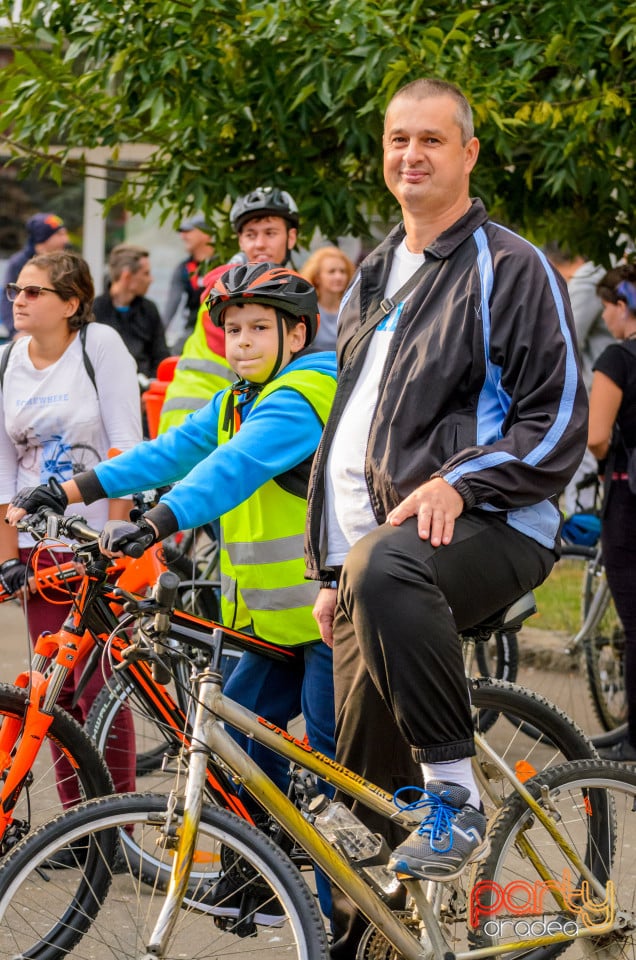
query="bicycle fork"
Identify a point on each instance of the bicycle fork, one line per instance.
(22, 737)
(198, 753)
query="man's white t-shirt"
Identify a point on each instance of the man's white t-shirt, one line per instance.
(348, 511)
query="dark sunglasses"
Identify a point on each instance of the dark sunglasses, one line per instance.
(32, 291)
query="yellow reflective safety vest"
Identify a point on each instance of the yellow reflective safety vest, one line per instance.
(199, 374)
(262, 555)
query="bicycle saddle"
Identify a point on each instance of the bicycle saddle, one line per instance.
(509, 618)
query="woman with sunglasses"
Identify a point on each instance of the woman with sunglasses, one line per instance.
(68, 393)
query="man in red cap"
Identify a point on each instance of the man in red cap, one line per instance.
(46, 233)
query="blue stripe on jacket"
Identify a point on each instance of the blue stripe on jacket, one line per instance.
(539, 521)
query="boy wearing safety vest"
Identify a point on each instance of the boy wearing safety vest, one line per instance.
(245, 458)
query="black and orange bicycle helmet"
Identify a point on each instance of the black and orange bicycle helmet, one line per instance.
(269, 284)
(264, 202)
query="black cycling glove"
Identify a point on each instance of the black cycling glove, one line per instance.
(118, 534)
(47, 495)
(13, 574)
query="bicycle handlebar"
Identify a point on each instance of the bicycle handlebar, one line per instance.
(45, 522)
(135, 549)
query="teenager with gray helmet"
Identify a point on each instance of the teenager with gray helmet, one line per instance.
(266, 224)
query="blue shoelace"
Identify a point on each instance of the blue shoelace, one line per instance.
(438, 821)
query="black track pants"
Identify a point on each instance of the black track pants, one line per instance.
(401, 695)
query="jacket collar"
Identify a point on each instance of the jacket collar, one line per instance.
(448, 241)
(376, 267)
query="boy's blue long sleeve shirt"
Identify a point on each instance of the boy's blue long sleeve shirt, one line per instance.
(276, 435)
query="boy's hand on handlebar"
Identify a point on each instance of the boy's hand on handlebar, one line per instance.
(29, 499)
(123, 538)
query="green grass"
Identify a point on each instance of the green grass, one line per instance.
(559, 601)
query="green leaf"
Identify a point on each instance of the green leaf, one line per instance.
(304, 94)
(235, 94)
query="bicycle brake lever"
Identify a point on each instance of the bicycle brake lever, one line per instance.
(52, 527)
(35, 524)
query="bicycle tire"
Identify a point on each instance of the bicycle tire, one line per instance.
(158, 737)
(510, 709)
(604, 649)
(502, 663)
(75, 914)
(203, 603)
(202, 600)
(87, 773)
(555, 737)
(102, 718)
(563, 602)
(593, 804)
(605, 671)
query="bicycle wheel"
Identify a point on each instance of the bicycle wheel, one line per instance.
(564, 603)
(499, 656)
(91, 910)
(198, 568)
(69, 755)
(200, 600)
(196, 596)
(152, 740)
(593, 805)
(554, 737)
(152, 737)
(604, 648)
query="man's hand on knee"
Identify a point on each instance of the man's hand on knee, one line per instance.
(436, 505)
(323, 612)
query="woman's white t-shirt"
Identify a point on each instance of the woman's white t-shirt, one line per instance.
(348, 511)
(54, 422)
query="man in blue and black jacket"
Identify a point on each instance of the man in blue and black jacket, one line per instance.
(460, 415)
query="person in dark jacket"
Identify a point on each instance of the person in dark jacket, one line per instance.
(187, 283)
(126, 308)
(612, 440)
(46, 233)
(460, 415)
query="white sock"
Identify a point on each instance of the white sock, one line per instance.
(454, 771)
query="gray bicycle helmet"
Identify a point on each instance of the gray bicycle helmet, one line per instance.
(264, 202)
(269, 284)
